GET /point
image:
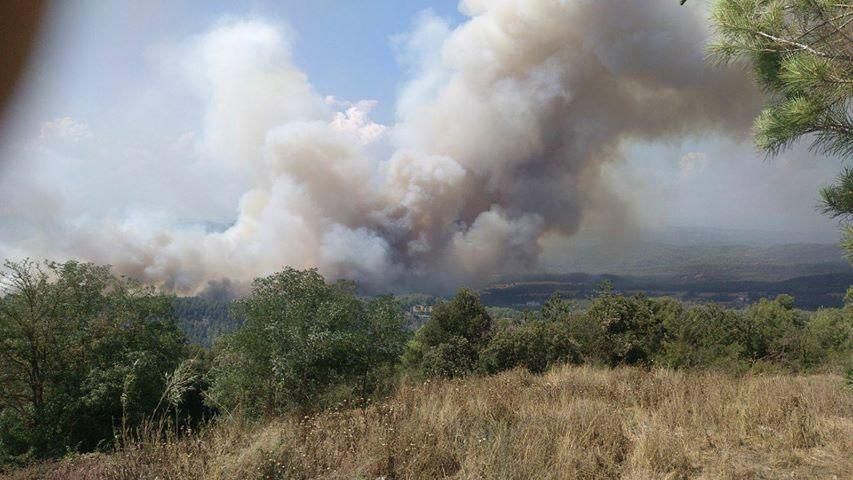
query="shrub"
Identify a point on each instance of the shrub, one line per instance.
(302, 339)
(704, 335)
(831, 332)
(535, 345)
(449, 344)
(774, 330)
(629, 330)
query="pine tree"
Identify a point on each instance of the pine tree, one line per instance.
(838, 203)
(802, 54)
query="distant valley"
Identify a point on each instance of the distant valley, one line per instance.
(731, 267)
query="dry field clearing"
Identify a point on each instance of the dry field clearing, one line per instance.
(572, 422)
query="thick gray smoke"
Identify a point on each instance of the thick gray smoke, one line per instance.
(503, 127)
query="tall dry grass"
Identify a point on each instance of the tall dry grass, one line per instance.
(570, 423)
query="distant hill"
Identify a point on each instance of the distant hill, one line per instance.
(810, 292)
(696, 253)
(717, 261)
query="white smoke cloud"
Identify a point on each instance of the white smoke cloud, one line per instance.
(503, 128)
(496, 238)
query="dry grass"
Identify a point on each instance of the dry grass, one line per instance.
(572, 422)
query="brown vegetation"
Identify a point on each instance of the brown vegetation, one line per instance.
(571, 422)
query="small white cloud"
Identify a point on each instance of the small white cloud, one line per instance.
(66, 128)
(355, 119)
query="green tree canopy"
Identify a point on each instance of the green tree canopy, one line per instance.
(80, 350)
(802, 55)
(303, 337)
(449, 343)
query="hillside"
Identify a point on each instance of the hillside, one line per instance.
(731, 267)
(810, 291)
(571, 422)
(705, 253)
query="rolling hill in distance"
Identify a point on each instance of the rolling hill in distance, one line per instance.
(700, 253)
(731, 267)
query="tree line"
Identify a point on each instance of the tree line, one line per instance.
(86, 356)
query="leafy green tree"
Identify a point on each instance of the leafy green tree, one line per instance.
(802, 54)
(830, 331)
(302, 339)
(449, 343)
(706, 335)
(386, 340)
(629, 330)
(80, 350)
(535, 345)
(555, 308)
(775, 331)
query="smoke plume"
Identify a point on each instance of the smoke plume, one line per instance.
(503, 126)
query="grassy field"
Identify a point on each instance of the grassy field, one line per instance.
(572, 422)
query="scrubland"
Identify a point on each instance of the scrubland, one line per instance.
(570, 422)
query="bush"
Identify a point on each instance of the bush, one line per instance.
(629, 330)
(774, 331)
(449, 344)
(301, 340)
(535, 345)
(707, 335)
(830, 331)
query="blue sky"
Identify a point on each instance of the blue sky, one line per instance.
(93, 49)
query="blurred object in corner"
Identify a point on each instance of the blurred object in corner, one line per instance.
(19, 22)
